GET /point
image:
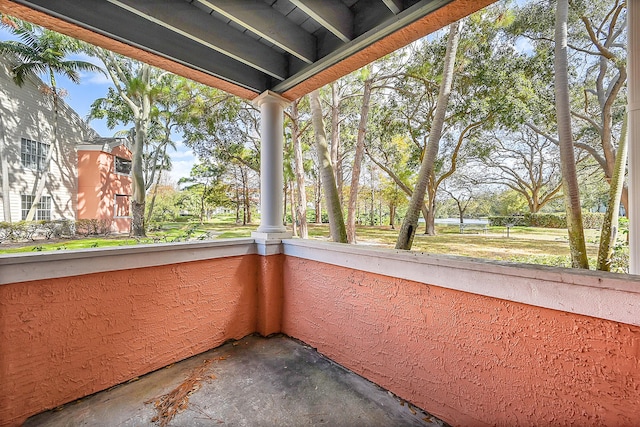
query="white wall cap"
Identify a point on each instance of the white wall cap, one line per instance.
(592, 293)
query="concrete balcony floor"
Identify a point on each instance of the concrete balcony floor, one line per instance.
(255, 381)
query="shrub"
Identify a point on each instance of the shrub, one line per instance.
(547, 220)
(5, 231)
(620, 259)
(23, 230)
(592, 220)
(93, 227)
(511, 220)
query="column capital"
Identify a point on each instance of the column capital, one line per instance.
(272, 98)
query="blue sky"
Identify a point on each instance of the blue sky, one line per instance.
(94, 86)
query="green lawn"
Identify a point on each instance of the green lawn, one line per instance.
(524, 244)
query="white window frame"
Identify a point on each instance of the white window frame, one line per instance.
(34, 157)
(43, 210)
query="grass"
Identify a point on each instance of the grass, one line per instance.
(524, 244)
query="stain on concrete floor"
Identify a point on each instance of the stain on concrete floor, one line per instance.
(255, 381)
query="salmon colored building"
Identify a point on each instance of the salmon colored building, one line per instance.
(104, 182)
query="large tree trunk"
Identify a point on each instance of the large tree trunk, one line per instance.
(357, 162)
(247, 198)
(332, 200)
(153, 198)
(318, 198)
(567, 155)
(335, 138)
(609, 230)
(137, 179)
(430, 220)
(294, 220)
(410, 223)
(142, 117)
(392, 215)
(299, 170)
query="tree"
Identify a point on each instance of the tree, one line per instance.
(296, 132)
(567, 156)
(595, 40)
(394, 197)
(332, 199)
(461, 191)
(135, 88)
(610, 225)
(410, 223)
(222, 126)
(42, 52)
(205, 181)
(525, 162)
(359, 154)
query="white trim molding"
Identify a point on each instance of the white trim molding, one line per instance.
(602, 295)
(591, 293)
(38, 266)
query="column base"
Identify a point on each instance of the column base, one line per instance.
(271, 235)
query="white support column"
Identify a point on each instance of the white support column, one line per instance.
(633, 116)
(271, 166)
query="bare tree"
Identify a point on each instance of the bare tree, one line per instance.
(526, 162)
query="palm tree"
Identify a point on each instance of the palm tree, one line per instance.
(43, 52)
(577, 244)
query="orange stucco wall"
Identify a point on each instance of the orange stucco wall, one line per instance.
(62, 339)
(98, 185)
(469, 359)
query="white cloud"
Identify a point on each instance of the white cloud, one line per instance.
(95, 78)
(523, 45)
(183, 155)
(182, 152)
(181, 168)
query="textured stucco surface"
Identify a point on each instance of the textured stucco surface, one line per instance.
(468, 359)
(66, 338)
(270, 294)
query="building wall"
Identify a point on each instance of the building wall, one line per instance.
(26, 113)
(468, 359)
(66, 338)
(76, 322)
(98, 185)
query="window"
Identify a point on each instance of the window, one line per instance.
(33, 154)
(43, 209)
(121, 206)
(122, 165)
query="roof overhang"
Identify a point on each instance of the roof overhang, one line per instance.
(246, 47)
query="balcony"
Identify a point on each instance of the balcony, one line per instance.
(471, 342)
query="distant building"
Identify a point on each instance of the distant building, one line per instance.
(26, 119)
(104, 182)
